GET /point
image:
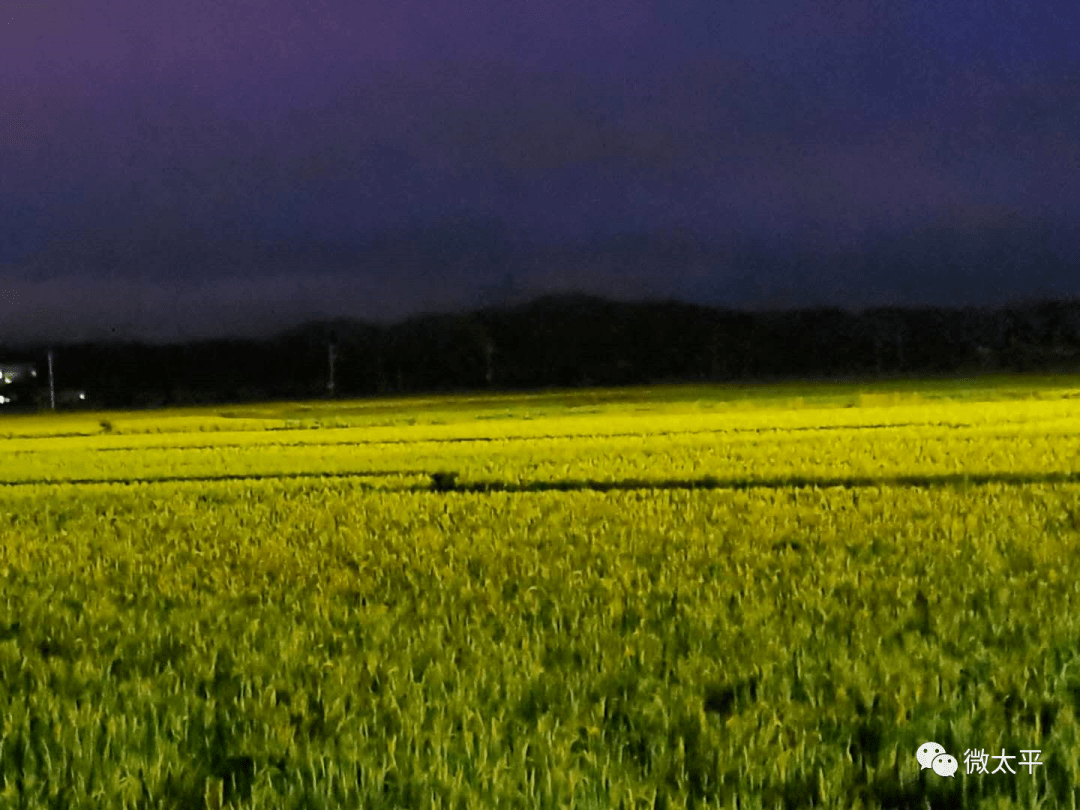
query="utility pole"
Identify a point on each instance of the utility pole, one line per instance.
(52, 388)
(332, 355)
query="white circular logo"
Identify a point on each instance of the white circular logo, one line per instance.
(945, 765)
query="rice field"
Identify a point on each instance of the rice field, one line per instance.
(695, 596)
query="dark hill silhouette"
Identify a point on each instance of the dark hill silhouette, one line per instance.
(572, 340)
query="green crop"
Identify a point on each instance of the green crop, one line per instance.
(676, 601)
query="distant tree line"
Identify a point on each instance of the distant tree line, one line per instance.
(573, 340)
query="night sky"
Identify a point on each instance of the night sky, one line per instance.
(231, 167)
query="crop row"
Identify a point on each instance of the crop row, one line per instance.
(290, 644)
(727, 456)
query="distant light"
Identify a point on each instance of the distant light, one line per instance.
(82, 395)
(3, 399)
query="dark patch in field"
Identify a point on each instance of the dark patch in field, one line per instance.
(722, 699)
(576, 485)
(794, 482)
(238, 774)
(788, 545)
(444, 481)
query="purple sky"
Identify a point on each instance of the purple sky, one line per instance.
(232, 167)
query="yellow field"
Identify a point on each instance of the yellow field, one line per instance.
(684, 597)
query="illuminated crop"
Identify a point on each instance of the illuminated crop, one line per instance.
(772, 606)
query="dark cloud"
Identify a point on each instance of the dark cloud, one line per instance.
(179, 148)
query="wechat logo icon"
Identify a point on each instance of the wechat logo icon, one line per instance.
(933, 756)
